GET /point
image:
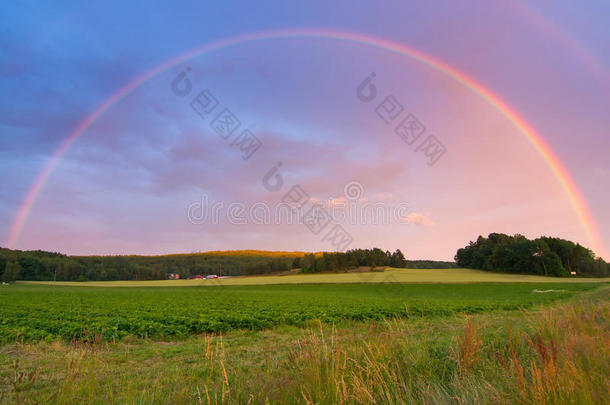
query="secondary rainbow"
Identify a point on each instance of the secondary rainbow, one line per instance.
(561, 174)
(529, 13)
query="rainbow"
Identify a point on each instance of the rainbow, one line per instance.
(561, 174)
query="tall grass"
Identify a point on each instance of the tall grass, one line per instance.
(551, 355)
(558, 355)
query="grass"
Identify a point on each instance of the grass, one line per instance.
(388, 276)
(39, 312)
(556, 353)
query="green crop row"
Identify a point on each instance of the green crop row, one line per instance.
(46, 313)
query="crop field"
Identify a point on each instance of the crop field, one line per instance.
(33, 313)
(389, 276)
(556, 353)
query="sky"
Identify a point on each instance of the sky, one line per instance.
(139, 128)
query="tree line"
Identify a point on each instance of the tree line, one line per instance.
(49, 266)
(352, 259)
(498, 252)
(543, 256)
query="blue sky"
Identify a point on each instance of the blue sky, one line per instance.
(126, 184)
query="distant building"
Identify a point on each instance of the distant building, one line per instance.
(197, 277)
(572, 273)
(211, 276)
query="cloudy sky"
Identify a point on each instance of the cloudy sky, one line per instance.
(102, 152)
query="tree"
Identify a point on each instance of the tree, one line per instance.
(517, 254)
(32, 268)
(398, 259)
(308, 263)
(463, 257)
(11, 272)
(548, 260)
(3, 262)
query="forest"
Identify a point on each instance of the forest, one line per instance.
(48, 266)
(498, 252)
(373, 258)
(543, 256)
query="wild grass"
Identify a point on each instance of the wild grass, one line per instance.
(558, 353)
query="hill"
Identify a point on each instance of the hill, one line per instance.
(544, 256)
(39, 265)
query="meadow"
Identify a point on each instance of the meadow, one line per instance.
(32, 313)
(554, 352)
(398, 336)
(390, 275)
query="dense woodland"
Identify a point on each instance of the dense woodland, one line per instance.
(543, 256)
(46, 266)
(497, 252)
(355, 258)
(40, 265)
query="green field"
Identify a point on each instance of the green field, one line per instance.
(41, 312)
(388, 276)
(558, 354)
(398, 336)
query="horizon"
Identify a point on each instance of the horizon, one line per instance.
(305, 132)
(208, 252)
(254, 251)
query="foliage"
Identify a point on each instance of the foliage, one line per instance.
(3, 263)
(355, 258)
(11, 272)
(32, 313)
(559, 354)
(46, 266)
(542, 256)
(429, 264)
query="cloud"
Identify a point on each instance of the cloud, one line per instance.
(416, 218)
